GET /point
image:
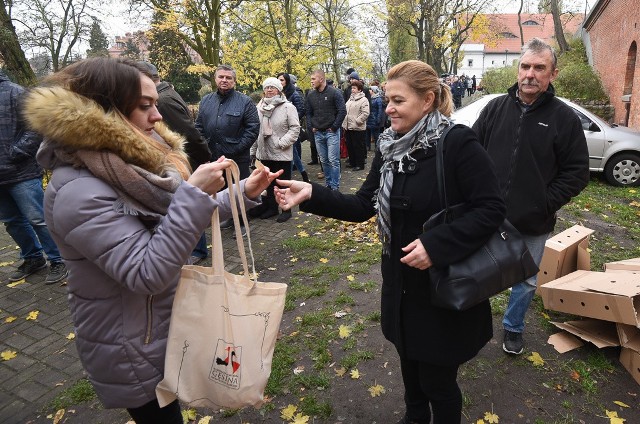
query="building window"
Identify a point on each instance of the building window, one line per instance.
(507, 34)
(470, 63)
(528, 23)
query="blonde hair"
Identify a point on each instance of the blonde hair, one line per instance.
(422, 79)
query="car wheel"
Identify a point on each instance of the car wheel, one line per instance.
(623, 170)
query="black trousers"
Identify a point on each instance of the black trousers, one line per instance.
(151, 413)
(275, 166)
(356, 147)
(427, 385)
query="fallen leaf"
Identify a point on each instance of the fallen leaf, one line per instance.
(288, 412)
(272, 269)
(480, 421)
(350, 278)
(10, 319)
(546, 316)
(189, 414)
(298, 370)
(376, 390)
(536, 359)
(300, 419)
(294, 259)
(6, 263)
(205, 420)
(8, 354)
(575, 375)
(624, 405)
(58, 416)
(303, 234)
(32, 316)
(340, 314)
(16, 283)
(71, 336)
(355, 374)
(614, 418)
(632, 191)
(324, 260)
(344, 331)
(491, 418)
(341, 371)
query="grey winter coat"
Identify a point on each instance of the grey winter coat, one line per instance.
(123, 271)
(286, 127)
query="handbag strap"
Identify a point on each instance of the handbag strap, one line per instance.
(442, 188)
(235, 197)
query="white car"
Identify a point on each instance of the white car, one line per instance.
(613, 150)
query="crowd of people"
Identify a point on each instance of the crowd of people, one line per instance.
(129, 199)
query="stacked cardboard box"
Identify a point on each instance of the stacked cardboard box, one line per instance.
(611, 297)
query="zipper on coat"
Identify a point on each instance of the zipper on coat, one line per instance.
(147, 336)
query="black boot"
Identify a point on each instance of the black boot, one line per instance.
(305, 176)
(284, 216)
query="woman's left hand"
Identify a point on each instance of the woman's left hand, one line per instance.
(259, 180)
(417, 256)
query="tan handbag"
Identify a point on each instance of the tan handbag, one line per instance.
(223, 328)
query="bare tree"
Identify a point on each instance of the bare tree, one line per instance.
(557, 27)
(10, 51)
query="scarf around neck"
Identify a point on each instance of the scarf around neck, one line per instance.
(266, 107)
(396, 151)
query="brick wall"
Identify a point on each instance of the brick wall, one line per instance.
(612, 36)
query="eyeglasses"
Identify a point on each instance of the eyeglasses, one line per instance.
(270, 88)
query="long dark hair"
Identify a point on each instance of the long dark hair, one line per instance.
(112, 83)
(288, 89)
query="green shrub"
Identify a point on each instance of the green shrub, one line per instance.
(498, 80)
(577, 80)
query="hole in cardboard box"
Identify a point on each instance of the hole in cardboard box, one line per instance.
(582, 303)
(561, 300)
(606, 307)
(545, 272)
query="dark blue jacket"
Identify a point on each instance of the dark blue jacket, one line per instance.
(229, 123)
(373, 121)
(18, 146)
(325, 109)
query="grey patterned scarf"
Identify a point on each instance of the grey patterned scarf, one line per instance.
(396, 152)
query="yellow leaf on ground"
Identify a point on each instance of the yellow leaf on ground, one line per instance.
(624, 405)
(344, 331)
(350, 278)
(58, 416)
(340, 371)
(294, 259)
(536, 359)
(10, 319)
(205, 420)
(303, 234)
(614, 418)
(300, 419)
(480, 421)
(491, 418)
(6, 263)
(324, 260)
(355, 374)
(16, 283)
(288, 412)
(8, 354)
(376, 390)
(32, 316)
(71, 336)
(189, 414)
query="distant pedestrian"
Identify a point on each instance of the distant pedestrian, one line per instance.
(21, 193)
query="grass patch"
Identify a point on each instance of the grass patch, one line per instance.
(351, 360)
(363, 286)
(81, 391)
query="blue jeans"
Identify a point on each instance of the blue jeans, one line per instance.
(201, 250)
(21, 212)
(328, 145)
(522, 293)
(297, 160)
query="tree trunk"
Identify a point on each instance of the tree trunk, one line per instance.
(520, 23)
(12, 55)
(557, 26)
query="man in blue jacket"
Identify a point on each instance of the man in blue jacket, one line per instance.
(539, 150)
(21, 193)
(229, 121)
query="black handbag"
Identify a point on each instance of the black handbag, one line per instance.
(502, 262)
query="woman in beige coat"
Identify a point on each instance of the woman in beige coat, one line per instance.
(355, 126)
(279, 129)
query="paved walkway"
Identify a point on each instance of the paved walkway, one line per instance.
(46, 360)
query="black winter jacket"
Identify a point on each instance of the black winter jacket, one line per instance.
(540, 155)
(18, 147)
(230, 124)
(325, 109)
(177, 116)
(419, 330)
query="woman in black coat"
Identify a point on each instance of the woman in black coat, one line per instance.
(401, 189)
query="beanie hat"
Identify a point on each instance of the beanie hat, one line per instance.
(354, 75)
(150, 67)
(293, 78)
(349, 71)
(272, 82)
(375, 89)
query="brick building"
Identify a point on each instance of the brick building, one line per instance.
(611, 35)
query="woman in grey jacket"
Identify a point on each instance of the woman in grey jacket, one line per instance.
(126, 213)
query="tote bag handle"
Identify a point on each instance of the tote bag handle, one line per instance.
(235, 197)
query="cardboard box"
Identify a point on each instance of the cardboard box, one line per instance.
(627, 265)
(630, 359)
(629, 336)
(564, 253)
(601, 295)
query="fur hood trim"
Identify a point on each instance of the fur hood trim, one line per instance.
(75, 122)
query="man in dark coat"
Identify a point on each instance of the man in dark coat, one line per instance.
(21, 193)
(539, 150)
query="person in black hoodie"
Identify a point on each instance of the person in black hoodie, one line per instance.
(293, 95)
(538, 147)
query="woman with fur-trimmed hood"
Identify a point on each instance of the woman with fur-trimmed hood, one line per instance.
(126, 213)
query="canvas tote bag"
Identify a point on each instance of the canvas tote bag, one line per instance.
(223, 328)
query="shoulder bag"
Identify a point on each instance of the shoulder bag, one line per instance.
(502, 262)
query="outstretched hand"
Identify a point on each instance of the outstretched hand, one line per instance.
(292, 193)
(259, 180)
(417, 256)
(208, 177)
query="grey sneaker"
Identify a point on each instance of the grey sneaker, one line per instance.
(228, 223)
(512, 343)
(28, 267)
(57, 272)
(195, 260)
